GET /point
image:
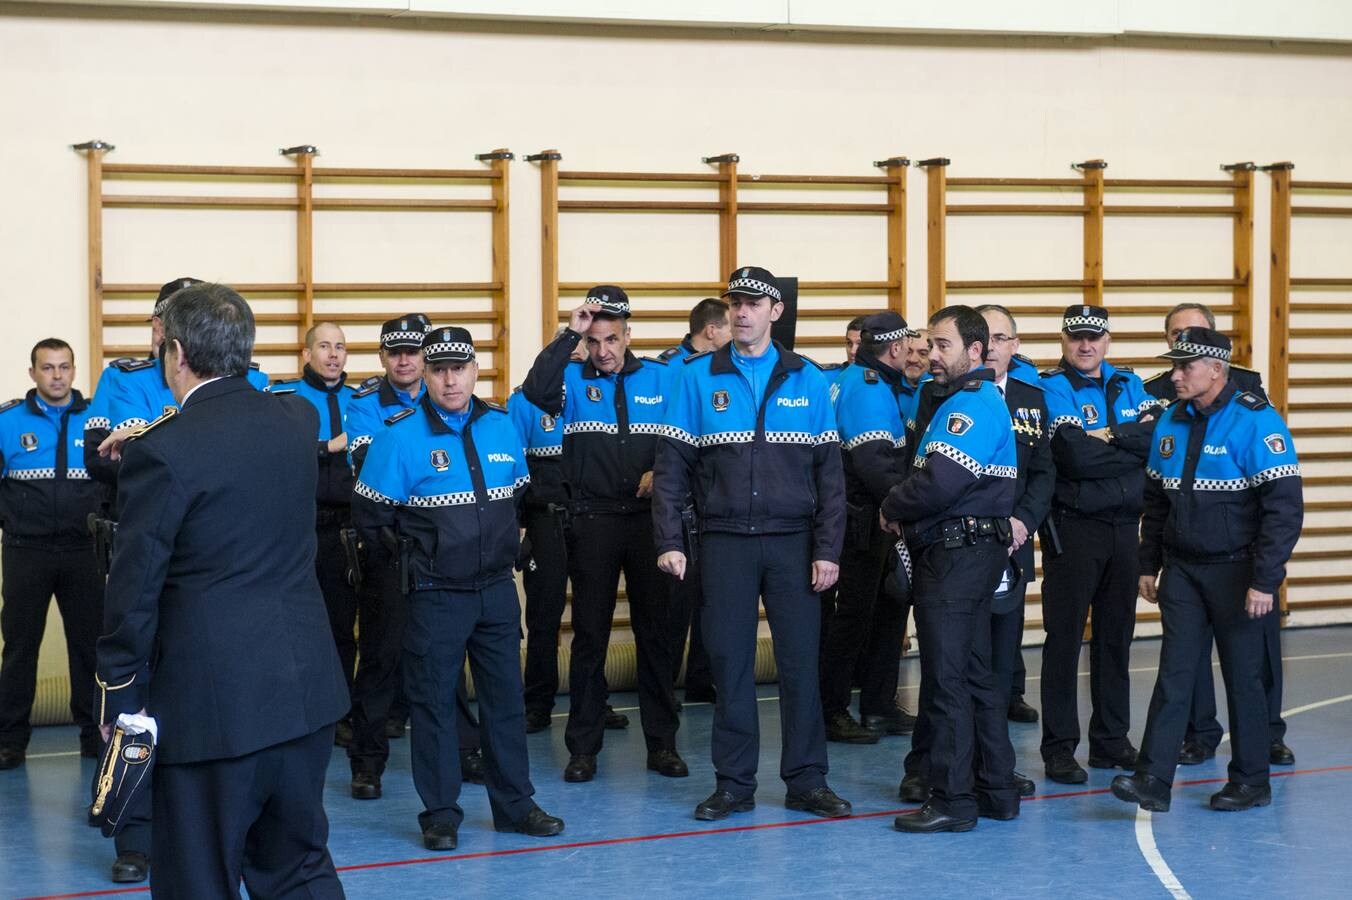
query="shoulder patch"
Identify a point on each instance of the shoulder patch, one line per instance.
(495, 405)
(402, 414)
(144, 430)
(255, 366)
(668, 353)
(1021, 358)
(870, 376)
(1235, 368)
(1154, 378)
(1127, 369)
(10, 404)
(369, 386)
(973, 385)
(133, 365)
(1048, 373)
(278, 390)
(694, 356)
(1023, 384)
(655, 360)
(1251, 401)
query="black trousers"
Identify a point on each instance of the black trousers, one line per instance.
(1195, 600)
(546, 595)
(777, 570)
(259, 817)
(687, 596)
(600, 546)
(1096, 568)
(383, 614)
(442, 626)
(851, 630)
(961, 741)
(1202, 725)
(339, 597)
(1007, 634)
(31, 576)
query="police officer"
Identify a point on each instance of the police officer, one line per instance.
(1101, 419)
(864, 625)
(441, 486)
(1204, 732)
(752, 436)
(46, 496)
(377, 690)
(953, 511)
(323, 383)
(709, 330)
(1223, 511)
(544, 560)
(916, 365)
(612, 409)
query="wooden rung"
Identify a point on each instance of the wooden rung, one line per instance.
(716, 287)
(1321, 210)
(1322, 431)
(1318, 357)
(1318, 580)
(1174, 283)
(752, 206)
(142, 319)
(1018, 284)
(1321, 282)
(1015, 209)
(1168, 183)
(1117, 336)
(1078, 283)
(1310, 555)
(457, 174)
(1325, 456)
(1319, 332)
(743, 178)
(1118, 312)
(1327, 531)
(406, 287)
(1327, 480)
(641, 205)
(1310, 605)
(641, 176)
(1311, 185)
(457, 316)
(682, 314)
(277, 287)
(233, 171)
(166, 201)
(1015, 182)
(1329, 506)
(419, 203)
(1126, 209)
(1313, 383)
(1319, 407)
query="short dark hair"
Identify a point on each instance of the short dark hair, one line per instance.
(707, 312)
(970, 324)
(310, 332)
(214, 327)
(856, 324)
(1004, 311)
(1200, 307)
(49, 344)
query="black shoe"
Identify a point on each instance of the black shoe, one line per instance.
(820, 801)
(1020, 711)
(537, 823)
(928, 820)
(1238, 797)
(342, 733)
(1026, 785)
(987, 808)
(701, 694)
(896, 722)
(581, 767)
(1122, 759)
(1063, 769)
(720, 804)
(668, 763)
(365, 786)
(842, 728)
(440, 837)
(538, 720)
(394, 728)
(1143, 789)
(914, 789)
(472, 767)
(130, 868)
(11, 757)
(1278, 754)
(615, 720)
(1194, 753)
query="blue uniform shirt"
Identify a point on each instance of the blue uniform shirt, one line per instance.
(452, 492)
(372, 403)
(45, 490)
(872, 409)
(143, 395)
(542, 435)
(334, 488)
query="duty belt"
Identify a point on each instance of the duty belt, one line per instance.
(963, 531)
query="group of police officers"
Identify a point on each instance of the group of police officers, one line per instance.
(727, 473)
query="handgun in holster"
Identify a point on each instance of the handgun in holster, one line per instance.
(401, 549)
(352, 549)
(1051, 540)
(104, 531)
(690, 528)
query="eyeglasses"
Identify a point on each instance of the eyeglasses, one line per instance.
(1002, 338)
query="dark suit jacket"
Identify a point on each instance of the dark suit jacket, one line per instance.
(213, 618)
(1037, 472)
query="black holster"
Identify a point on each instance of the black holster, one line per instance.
(352, 550)
(690, 528)
(104, 532)
(401, 550)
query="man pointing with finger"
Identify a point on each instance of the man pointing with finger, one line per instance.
(751, 434)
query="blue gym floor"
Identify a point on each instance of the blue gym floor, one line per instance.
(631, 831)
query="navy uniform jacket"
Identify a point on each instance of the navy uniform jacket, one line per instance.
(772, 469)
(1032, 439)
(871, 414)
(1161, 387)
(1224, 484)
(46, 494)
(375, 401)
(1095, 479)
(212, 587)
(334, 487)
(453, 493)
(610, 422)
(542, 435)
(965, 463)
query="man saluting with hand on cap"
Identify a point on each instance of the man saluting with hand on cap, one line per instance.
(752, 435)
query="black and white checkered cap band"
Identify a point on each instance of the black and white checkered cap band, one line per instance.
(449, 350)
(401, 339)
(1194, 350)
(1077, 322)
(615, 307)
(888, 337)
(755, 287)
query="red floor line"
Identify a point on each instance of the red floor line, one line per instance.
(703, 832)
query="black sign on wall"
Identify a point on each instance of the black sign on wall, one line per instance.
(787, 326)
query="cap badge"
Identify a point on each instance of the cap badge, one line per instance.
(547, 422)
(1167, 446)
(958, 423)
(1090, 413)
(593, 393)
(441, 460)
(136, 754)
(720, 400)
(29, 441)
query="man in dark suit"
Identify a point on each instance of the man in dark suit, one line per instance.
(214, 623)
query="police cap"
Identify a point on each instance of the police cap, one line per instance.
(169, 289)
(405, 332)
(447, 344)
(886, 327)
(1079, 319)
(752, 281)
(1199, 343)
(609, 300)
